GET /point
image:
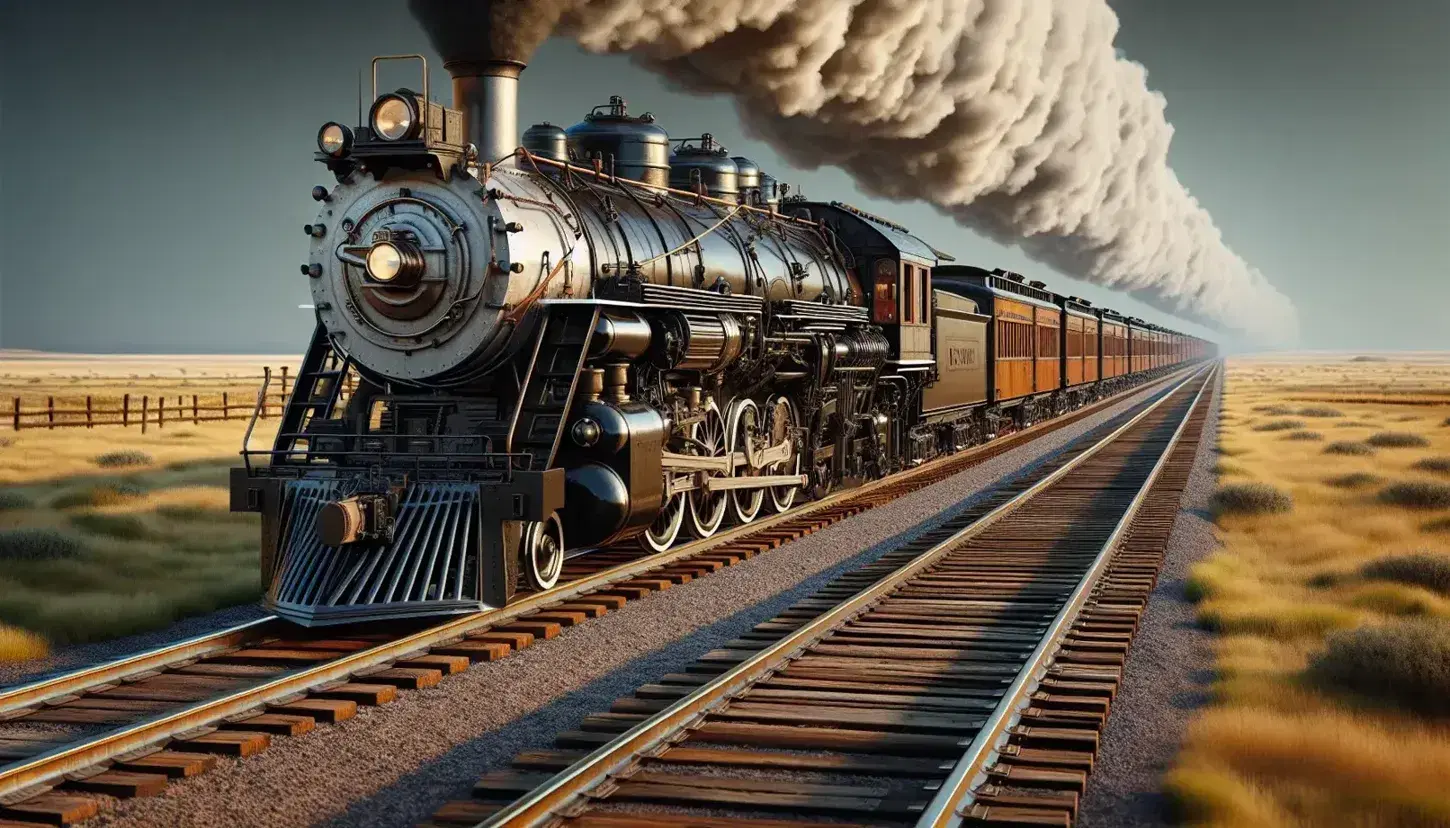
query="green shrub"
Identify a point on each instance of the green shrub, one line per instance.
(32, 544)
(1319, 411)
(1305, 435)
(1370, 359)
(1417, 495)
(1405, 664)
(1279, 425)
(11, 499)
(1250, 499)
(1397, 439)
(1437, 525)
(1440, 465)
(1424, 569)
(1356, 480)
(1348, 448)
(120, 527)
(126, 457)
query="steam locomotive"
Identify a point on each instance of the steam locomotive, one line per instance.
(603, 336)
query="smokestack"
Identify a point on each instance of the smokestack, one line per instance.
(484, 46)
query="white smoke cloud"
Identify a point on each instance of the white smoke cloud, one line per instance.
(1019, 118)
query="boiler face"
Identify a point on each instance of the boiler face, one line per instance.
(414, 275)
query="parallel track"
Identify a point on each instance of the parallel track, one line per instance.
(961, 679)
(166, 713)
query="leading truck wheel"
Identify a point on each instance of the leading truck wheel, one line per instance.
(542, 552)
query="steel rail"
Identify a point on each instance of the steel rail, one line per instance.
(969, 773)
(64, 684)
(77, 681)
(540, 806)
(46, 767)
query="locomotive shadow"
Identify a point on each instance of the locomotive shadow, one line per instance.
(414, 796)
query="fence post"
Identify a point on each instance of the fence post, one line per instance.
(89, 422)
(125, 410)
(195, 417)
(145, 404)
(161, 412)
(17, 413)
(50, 411)
(284, 382)
(226, 407)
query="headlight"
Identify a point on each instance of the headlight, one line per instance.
(394, 117)
(385, 262)
(334, 139)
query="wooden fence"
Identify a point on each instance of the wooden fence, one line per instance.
(145, 410)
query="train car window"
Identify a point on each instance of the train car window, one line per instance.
(908, 294)
(884, 302)
(924, 294)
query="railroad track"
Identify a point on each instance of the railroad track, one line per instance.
(128, 727)
(962, 679)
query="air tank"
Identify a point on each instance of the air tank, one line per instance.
(640, 150)
(749, 180)
(547, 141)
(706, 164)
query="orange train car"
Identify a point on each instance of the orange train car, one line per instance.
(1080, 327)
(1025, 339)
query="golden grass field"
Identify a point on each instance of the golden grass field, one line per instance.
(1288, 741)
(95, 546)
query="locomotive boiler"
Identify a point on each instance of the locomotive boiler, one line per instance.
(597, 335)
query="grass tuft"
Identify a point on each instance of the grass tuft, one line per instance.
(11, 500)
(1422, 569)
(1354, 480)
(1319, 411)
(32, 544)
(1436, 526)
(1417, 495)
(1279, 425)
(1439, 465)
(1250, 499)
(1397, 439)
(125, 457)
(1275, 410)
(108, 495)
(20, 645)
(1308, 436)
(1348, 448)
(1406, 664)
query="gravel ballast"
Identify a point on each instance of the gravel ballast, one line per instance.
(395, 765)
(1169, 670)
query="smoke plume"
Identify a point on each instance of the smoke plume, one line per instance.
(1016, 117)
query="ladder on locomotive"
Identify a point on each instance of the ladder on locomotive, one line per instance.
(314, 396)
(550, 382)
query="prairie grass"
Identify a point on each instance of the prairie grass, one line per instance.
(1397, 439)
(1319, 411)
(1348, 448)
(1251, 499)
(1308, 436)
(20, 645)
(91, 551)
(1417, 494)
(1439, 465)
(1305, 729)
(125, 457)
(1355, 480)
(1420, 568)
(1279, 425)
